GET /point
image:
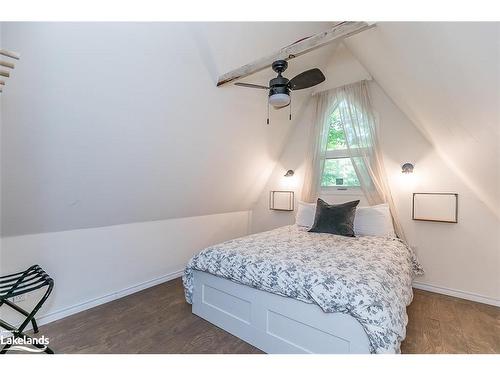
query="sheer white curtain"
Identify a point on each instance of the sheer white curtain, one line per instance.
(318, 140)
(359, 123)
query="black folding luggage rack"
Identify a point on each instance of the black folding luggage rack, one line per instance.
(20, 283)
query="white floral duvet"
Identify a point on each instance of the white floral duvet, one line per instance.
(367, 277)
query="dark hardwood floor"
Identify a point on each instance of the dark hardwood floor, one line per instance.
(442, 324)
(158, 320)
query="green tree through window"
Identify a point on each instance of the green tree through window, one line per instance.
(338, 170)
(336, 136)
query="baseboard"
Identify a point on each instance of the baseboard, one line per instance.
(62, 313)
(457, 293)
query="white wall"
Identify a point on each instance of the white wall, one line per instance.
(461, 259)
(445, 76)
(341, 69)
(119, 128)
(113, 123)
(99, 127)
(95, 265)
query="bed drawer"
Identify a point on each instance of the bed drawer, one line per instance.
(273, 323)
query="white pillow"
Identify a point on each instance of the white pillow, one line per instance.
(369, 221)
(305, 214)
(373, 221)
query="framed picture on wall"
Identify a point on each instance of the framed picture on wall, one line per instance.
(439, 207)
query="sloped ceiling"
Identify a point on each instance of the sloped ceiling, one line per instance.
(446, 78)
(115, 123)
(111, 123)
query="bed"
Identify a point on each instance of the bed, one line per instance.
(291, 291)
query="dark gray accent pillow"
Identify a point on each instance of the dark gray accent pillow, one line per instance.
(335, 218)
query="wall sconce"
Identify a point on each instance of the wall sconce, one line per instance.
(289, 173)
(407, 168)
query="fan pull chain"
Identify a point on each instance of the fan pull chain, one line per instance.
(268, 112)
(290, 117)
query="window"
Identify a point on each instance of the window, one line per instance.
(338, 171)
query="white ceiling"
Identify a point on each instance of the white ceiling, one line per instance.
(446, 78)
(114, 123)
(110, 123)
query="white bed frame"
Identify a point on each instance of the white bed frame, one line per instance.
(273, 323)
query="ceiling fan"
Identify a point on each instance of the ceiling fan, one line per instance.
(280, 87)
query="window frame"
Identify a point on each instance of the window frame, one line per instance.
(337, 154)
(341, 154)
(338, 190)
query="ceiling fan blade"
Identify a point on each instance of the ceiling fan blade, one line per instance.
(251, 85)
(306, 79)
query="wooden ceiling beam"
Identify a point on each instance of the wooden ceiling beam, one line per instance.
(338, 32)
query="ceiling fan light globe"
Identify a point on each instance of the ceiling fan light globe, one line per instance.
(279, 100)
